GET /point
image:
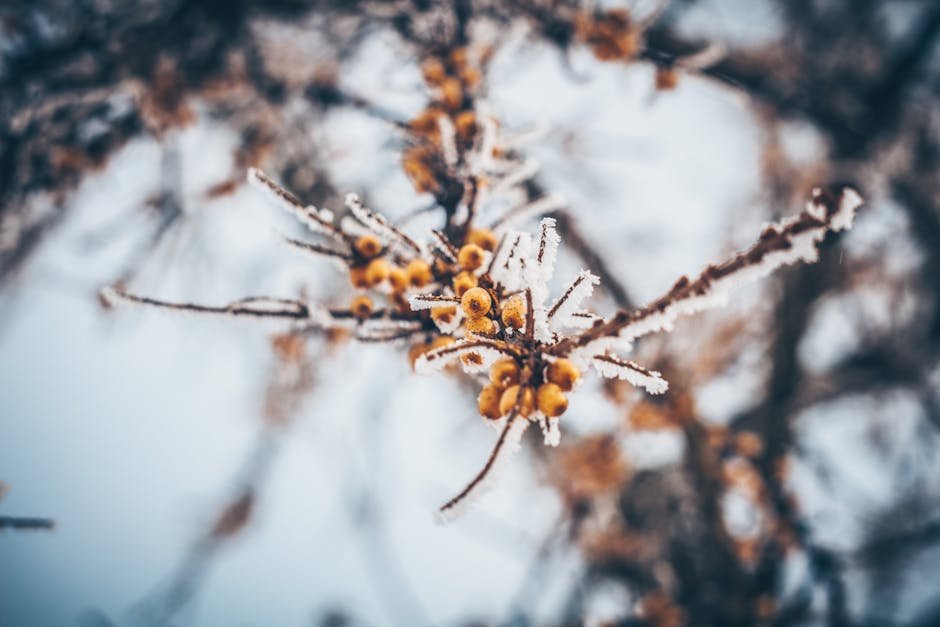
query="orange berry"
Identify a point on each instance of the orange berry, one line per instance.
(481, 326)
(509, 399)
(368, 246)
(377, 271)
(476, 302)
(433, 71)
(445, 314)
(470, 257)
(551, 400)
(357, 276)
(513, 314)
(465, 123)
(563, 373)
(484, 238)
(463, 282)
(505, 372)
(419, 272)
(451, 92)
(398, 279)
(488, 402)
(361, 307)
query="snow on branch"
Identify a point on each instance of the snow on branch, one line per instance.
(318, 221)
(787, 242)
(253, 307)
(476, 354)
(616, 368)
(509, 441)
(379, 224)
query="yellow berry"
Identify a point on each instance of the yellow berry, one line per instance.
(419, 272)
(433, 71)
(488, 402)
(368, 246)
(551, 400)
(481, 326)
(470, 257)
(476, 302)
(377, 271)
(361, 306)
(505, 372)
(445, 314)
(510, 398)
(463, 282)
(398, 278)
(357, 276)
(563, 373)
(451, 93)
(484, 238)
(513, 314)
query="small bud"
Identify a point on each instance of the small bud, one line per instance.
(445, 314)
(508, 400)
(484, 238)
(368, 246)
(357, 276)
(551, 400)
(377, 271)
(666, 78)
(470, 257)
(476, 302)
(504, 373)
(463, 282)
(563, 373)
(419, 272)
(398, 279)
(488, 402)
(481, 326)
(361, 306)
(513, 314)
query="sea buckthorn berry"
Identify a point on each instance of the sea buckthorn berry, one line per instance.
(510, 397)
(470, 257)
(476, 302)
(398, 279)
(504, 373)
(488, 402)
(563, 373)
(463, 282)
(513, 314)
(481, 326)
(451, 93)
(445, 314)
(416, 162)
(357, 276)
(368, 246)
(551, 400)
(377, 271)
(361, 306)
(441, 341)
(458, 56)
(484, 238)
(465, 123)
(470, 77)
(419, 272)
(433, 71)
